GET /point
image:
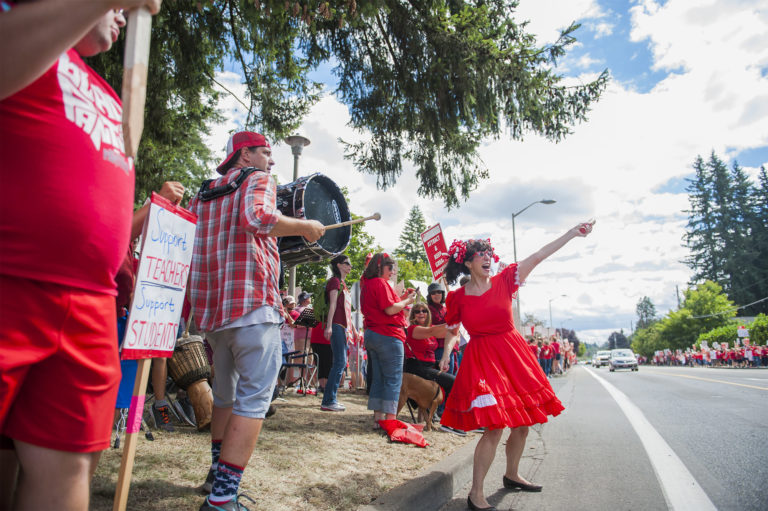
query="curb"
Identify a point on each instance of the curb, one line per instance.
(433, 488)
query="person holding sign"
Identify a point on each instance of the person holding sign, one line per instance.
(236, 301)
(65, 220)
(499, 384)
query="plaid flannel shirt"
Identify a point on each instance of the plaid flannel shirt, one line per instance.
(235, 265)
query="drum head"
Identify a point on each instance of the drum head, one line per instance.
(324, 202)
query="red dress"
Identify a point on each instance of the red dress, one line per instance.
(500, 383)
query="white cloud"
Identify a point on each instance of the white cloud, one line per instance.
(547, 18)
(610, 168)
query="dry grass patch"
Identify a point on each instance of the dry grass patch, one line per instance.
(306, 459)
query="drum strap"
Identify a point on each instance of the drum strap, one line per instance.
(206, 194)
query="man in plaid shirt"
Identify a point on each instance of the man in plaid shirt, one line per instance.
(236, 301)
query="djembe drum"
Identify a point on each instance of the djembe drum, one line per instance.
(189, 369)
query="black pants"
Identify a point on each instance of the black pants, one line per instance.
(428, 371)
(325, 359)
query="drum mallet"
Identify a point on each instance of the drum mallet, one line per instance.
(374, 216)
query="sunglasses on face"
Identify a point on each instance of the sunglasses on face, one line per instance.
(483, 253)
(420, 312)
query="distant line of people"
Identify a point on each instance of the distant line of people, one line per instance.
(741, 356)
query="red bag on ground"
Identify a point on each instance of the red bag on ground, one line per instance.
(400, 431)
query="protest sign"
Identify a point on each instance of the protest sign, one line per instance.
(437, 253)
(168, 238)
(161, 281)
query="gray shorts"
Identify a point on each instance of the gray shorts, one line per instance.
(246, 361)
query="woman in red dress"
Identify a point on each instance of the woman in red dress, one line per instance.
(500, 383)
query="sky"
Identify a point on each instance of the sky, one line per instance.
(687, 78)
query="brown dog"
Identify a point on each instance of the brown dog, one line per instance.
(427, 394)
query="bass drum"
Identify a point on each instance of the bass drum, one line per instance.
(314, 197)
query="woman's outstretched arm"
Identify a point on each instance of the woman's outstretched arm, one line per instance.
(526, 266)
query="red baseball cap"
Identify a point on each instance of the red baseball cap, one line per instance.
(238, 141)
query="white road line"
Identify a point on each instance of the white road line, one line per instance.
(680, 489)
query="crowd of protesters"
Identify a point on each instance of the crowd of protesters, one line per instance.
(555, 355)
(743, 355)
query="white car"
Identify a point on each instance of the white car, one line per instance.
(603, 358)
(622, 359)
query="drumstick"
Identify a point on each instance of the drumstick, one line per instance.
(374, 216)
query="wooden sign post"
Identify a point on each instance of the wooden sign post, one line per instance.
(153, 320)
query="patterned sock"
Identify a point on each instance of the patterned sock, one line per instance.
(215, 453)
(226, 484)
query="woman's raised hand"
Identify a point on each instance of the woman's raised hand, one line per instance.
(583, 229)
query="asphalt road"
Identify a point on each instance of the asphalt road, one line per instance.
(659, 438)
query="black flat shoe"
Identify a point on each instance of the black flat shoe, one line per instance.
(471, 505)
(514, 485)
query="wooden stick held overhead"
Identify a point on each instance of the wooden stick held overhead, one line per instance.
(137, 37)
(374, 216)
(134, 94)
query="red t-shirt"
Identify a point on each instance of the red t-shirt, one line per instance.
(68, 188)
(317, 335)
(376, 296)
(437, 311)
(556, 347)
(546, 352)
(339, 315)
(420, 349)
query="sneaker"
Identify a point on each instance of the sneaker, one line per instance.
(162, 418)
(311, 392)
(452, 430)
(207, 486)
(230, 505)
(333, 407)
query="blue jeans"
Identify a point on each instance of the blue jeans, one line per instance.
(386, 357)
(339, 350)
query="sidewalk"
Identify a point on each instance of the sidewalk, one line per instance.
(431, 490)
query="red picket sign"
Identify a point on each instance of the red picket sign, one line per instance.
(437, 252)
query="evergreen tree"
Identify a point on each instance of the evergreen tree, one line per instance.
(741, 251)
(727, 233)
(705, 258)
(759, 244)
(411, 247)
(646, 312)
(428, 81)
(618, 340)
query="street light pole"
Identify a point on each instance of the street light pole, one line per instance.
(297, 143)
(514, 247)
(552, 325)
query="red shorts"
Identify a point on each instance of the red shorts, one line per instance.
(59, 365)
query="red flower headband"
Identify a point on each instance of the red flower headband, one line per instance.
(458, 250)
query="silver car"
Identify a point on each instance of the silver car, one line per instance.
(622, 359)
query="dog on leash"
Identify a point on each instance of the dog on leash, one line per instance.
(426, 393)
